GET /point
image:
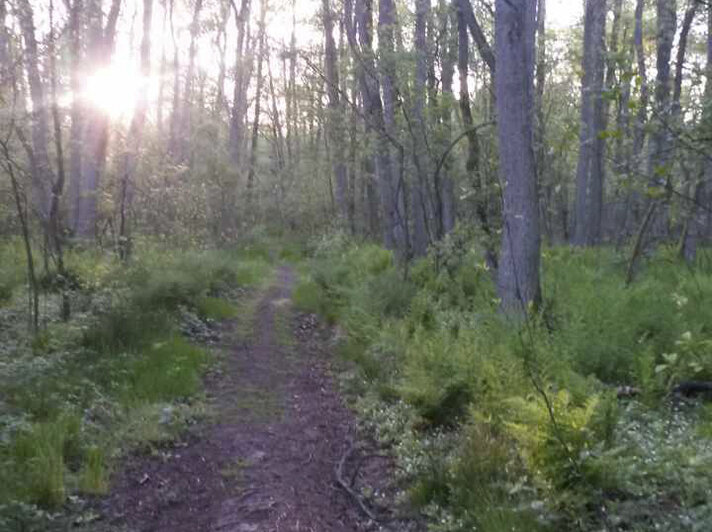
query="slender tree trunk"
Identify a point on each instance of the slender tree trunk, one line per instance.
(256, 118)
(77, 110)
(464, 9)
(474, 162)
(642, 114)
(540, 130)
(518, 275)
(660, 153)
(589, 172)
(660, 142)
(96, 128)
(5, 61)
(421, 233)
(379, 113)
(694, 226)
(277, 131)
(42, 173)
(129, 159)
(186, 112)
(56, 229)
(174, 126)
(25, 227)
(444, 188)
(162, 68)
(239, 100)
(335, 115)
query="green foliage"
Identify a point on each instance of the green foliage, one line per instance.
(215, 308)
(119, 361)
(532, 409)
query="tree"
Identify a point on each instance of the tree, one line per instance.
(518, 275)
(418, 131)
(42, 173)
(130, 157)
(589, 173)
(335, 116)
(95, 121)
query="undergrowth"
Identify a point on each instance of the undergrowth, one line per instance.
(504, 426)
(123, 373)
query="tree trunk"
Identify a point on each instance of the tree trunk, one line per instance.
(421, 233)
(239, 100)
(129, 160)
(335, 116)
(464, 9)
(256, 119)
(186, 113)
(659, 154)
(380, 115)
(589, 172)
(518, 275)
(444, 186)
(96, 129)
(473, 163)
(174, 126)
(77, 110)
(540, 130)
(695, 223)
(42, 174)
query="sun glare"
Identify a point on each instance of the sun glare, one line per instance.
(113, 90)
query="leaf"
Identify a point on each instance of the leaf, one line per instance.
(660, 368)
(670, 358)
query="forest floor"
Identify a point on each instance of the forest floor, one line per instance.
(282, 451)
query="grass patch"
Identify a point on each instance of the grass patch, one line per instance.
(117, 376)
(215, 308)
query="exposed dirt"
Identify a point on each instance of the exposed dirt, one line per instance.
(273, 457)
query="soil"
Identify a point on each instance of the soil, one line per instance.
(282, 453)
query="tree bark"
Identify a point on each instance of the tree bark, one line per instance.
(77, 110)
(42, 173)
(518, 275)
(335, 115)
(444, 186)
(380, 115)
(465, 10)
(239, 99)
(256, 119)
(421, 233)
(590, 169)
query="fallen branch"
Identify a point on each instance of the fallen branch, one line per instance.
(339, 473)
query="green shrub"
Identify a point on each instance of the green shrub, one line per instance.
(126, 328)
(215, 308)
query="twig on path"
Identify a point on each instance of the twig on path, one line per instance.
(348, 489)
(362, 461)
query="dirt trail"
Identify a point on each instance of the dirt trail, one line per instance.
(268, 461)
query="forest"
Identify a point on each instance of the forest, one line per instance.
(346, 265)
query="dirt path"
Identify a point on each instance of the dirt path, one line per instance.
(268, 461)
